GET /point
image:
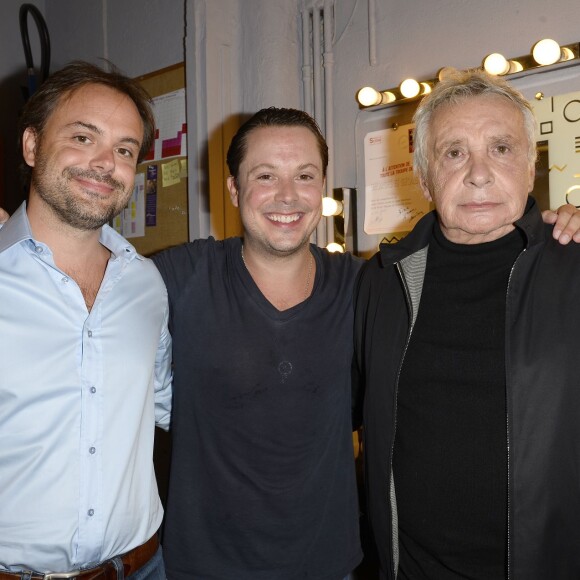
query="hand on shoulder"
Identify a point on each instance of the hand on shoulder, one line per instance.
(566, 220)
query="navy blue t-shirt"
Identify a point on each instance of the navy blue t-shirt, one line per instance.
(262, 482)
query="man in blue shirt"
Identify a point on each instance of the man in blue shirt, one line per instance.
(85, 352)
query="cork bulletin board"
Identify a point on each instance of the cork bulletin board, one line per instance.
(170, 215)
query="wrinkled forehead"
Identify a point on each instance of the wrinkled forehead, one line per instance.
(481, 116)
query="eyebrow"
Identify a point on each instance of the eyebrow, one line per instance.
(98, 131)
(444, 145)
(506, 137)
(261, 166)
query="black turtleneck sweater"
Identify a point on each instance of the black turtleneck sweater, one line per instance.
(450, 455)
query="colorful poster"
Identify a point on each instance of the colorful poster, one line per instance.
(171, 127)
(151, 196)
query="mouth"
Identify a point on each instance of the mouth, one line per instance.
(97, 188)
(93, 183)
(484, 205)
(284, 218)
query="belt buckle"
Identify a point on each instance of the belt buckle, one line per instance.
(57, 575)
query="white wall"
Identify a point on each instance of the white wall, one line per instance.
(271, 54)
(415, 38)
(242, 55)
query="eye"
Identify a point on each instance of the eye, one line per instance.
(124, 152)
(265, 177)
(305, 177)
(454, 154)
(81, 139)
(502, 149)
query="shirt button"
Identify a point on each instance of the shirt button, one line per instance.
(90, 333)
(91, 512)
(92, 450)
(38, 249)
(93, 390)
(65, 280)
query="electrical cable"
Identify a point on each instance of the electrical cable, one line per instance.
(25, 9)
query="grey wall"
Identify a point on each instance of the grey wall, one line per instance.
(139, 36)
(12, 79)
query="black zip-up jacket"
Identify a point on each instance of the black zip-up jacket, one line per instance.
(542, 393)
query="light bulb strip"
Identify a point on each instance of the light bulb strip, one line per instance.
(516, 67)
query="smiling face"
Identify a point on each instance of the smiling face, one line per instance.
(85, 159)
(479, 172)
(279, 189)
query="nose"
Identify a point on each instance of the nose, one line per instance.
(286, 192)
(103, 160)
(479, 173)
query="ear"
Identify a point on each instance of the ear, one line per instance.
(531, 177)
(425, 189)
(29, 143)
(232, 188)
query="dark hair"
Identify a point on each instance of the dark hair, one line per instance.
(65, 82)
(273, 117)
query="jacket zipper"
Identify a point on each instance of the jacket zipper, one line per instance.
(411, 325)
(508, 428)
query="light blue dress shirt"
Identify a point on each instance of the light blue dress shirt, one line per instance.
(79, 392)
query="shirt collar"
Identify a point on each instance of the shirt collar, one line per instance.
(17, 229)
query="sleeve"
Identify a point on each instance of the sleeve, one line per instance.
(175, 268)
(163, 375)
(357, 375)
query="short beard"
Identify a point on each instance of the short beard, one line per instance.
(69, 209)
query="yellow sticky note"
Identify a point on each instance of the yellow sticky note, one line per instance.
(183, 168)
(170, 173)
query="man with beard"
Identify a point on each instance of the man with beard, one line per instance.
(85, 353)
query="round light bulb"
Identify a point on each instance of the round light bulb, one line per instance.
(496, 64)
(334, 247)
(546, 52)
(425, 88)
(515, 66)
(368, 97)
(566, 54)
(410, 88)
(331, 207)
(573, 195)
(387, 97)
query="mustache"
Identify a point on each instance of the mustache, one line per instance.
(73, 172)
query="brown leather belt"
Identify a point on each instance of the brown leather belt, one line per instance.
(132, 561)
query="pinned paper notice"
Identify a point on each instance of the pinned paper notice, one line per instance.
(394, 201)
(170, 173)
